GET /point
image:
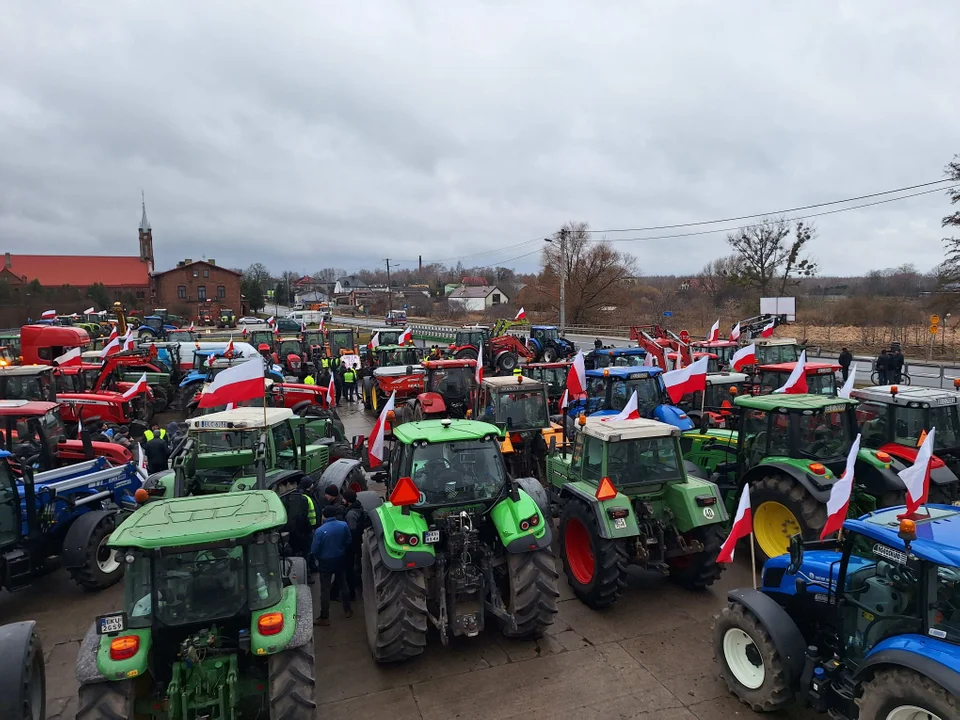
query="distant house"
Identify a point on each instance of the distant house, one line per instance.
(477, 298)
(347, 284)
(311, 297)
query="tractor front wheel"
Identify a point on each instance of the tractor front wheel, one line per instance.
(782, 507)
(906, 695)
(160, 399)
(533, 593)
(292, 683)
(106, 701)
(699, 570)
(507, 362)
(596, 568)
(394, 606)
(550, 354)
(366, 388)
(466, 354)
(101, 567)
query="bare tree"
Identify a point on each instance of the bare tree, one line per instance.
(949, 271)
(767, 259)
(718, 280)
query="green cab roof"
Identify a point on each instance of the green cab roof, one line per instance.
(796, 403)
(199, 520)
(437, 431)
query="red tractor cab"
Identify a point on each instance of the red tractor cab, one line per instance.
(289, 355)
(27, 382)
(722, 349)
(42, 344)
(447, 388)
(713, 407)
(500, 352)
(821, 377)
(396, 369)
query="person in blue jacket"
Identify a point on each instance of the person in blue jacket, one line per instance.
(331, 542)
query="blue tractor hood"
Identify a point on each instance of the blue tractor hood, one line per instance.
(672, 415)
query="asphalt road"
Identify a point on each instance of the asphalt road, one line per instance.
(649, 657)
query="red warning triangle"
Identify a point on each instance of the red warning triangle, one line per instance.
(405, 492)
(606, 491)
(923, 436)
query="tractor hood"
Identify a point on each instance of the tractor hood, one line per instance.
(399, 371)
(672, 415)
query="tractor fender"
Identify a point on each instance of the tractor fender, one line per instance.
(294, 570)
(786, 636)
(411, 559)
(570, 491)
(876, 480)
(284, 476)
(432, 403)
(532, 487)
(74, 551)
(338, 472)
(534, 345)
(301, 407)
(914, 652)
(942, 475)
(303, 629)
(87, 670)
(761, 470)
(694, 470)
(369, 500)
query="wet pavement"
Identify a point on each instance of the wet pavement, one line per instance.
(650, 656)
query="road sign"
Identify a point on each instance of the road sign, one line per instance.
(934, 319)
(934, 329)
(684, 336)
(668, 313)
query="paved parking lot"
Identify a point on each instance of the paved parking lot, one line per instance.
(648, 657)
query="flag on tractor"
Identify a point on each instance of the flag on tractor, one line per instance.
(577, 377)
(112, 346)
(796, 384)
(714, 332)
(478, 372)
(916, 478)
(742, 527)
(140, 386)
(374, 341)
(49, 315)
(768, 329)
(746, 355)
(631, 410)
(735, 333)
(405, 337)
(521, 314)
(235, 384)
(375, 448)
(71, 358)
(686, 380)
(840, 494)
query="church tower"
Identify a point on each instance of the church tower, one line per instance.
(146, 237)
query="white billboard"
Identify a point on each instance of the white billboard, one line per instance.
(779, 306)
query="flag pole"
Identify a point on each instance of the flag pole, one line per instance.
(753, 561)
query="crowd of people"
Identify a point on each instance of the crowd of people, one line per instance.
(889, 364)
(156, 443)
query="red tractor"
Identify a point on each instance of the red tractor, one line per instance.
(396, 369)
(289, 355)
(821, 377)
(658, 342)
(722, 349)
(42, 344)
(501, 353)
(448, 385)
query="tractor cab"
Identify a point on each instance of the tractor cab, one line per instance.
(386, 356)
(227, 318)
(616, 357)
(471, 335)
(821, 378)
(448, 386)
(546, 345)
(722, 349)
(290, 354)
(262, 337)
(42, 344)
(553, 376)
(27, 382)
(397, 369)
(713, 407)
(770, 351)
(340, 342)
(387, 335)
(154, 327)
(609, 390)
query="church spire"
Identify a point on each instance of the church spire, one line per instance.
(144, 223)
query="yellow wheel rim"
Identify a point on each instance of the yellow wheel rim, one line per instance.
(373, 398)
(773, 525)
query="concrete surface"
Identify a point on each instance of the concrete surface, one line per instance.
(649, 657)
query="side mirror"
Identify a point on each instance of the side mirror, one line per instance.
(796, 554)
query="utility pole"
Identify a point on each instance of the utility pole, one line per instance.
(389, 293)
(563, 278)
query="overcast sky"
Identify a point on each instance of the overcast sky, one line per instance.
(313, 134)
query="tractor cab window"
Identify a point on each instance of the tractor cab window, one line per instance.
(873, 422)
(944, 617)
(550, 333)
(263, 575)
(882, 592)
(649, 393)
(229, 440)
(773, 354)
(522, 409)
(52, 427)
(821, 384)
(288, 347)
(285, 446)
(455, 472)
(631, 462)
(754, 436)
(555, 378)
(199, 586)
(69, 383)
(593, 459)
(452, 382)
(912, 422)
(717, 395)
(824, 435)
(28, 387)
(136, 593)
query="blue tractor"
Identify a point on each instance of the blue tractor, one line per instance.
(609, 390)
(547, 346)
(70, 512)
(615, 357)
(863, 628)
(194, 380)
(154, 328)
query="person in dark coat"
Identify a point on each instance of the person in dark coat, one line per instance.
(300, 533)
(895, 360)
(331, 542)
(158, 453)
(844, 360)
(331, 498)
(883, 367)
(358, 521)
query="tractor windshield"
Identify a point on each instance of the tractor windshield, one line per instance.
(313, 337)
(69, 383)
(289, 347)
(631, 462)
(454, 382)
(545, 333)
(824, 435)
(208, 441)
(649, 393)
(773, 354)
(522, 409)
(454, 472)
(199, 586)
(28, 387)
(634, 360)
(945, 608)
(912, 422)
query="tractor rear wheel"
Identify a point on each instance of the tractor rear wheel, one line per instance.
(417, 412)
(467, 353)
(106, 701)
(22, 676)
(936, 496)
(532, 595)
(101, 567)
(699, 570)
(160, 399)
(292, 683)
(394, 606)
(596, 568)
(782, 507)
(366, 388)
(906, 695)
(507, 362)
(749, 662)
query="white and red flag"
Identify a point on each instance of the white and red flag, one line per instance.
(841, 493)
(129, 341)
(686, 380)
(270, 320)
(747, 355)
(742, 527)
(140, 386)
(577, 377)
(235, 384)
(48, 315)
(229, 351)
(916, 478)
(521, 314)
(375, 448)
(211, 359)
(649, 360)
(243, 333)
(331, 393)
(303, 326)
(89, 311)
(191, 329)
(405, 337)
(374, 341)
(768, 329)
(714, 332)
(112, 346)
(796, 384)
(71, 358)
(735, 333)
(565, 400)
(847, 388)
(631, 410)
(478, 371)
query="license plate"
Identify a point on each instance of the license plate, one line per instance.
(620, 523)
(111, 623)
(431, 536)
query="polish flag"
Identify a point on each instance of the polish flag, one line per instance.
(331, 393)
(89, 311)
(141, 462)
(112, 346)
(129, 341)
(320, 327)
(71, 358)
(235, 384)
(191, 329)
(687, 380)
(521, 314)
(714, 332)
(303, 326)
(405, 337)
(577, 377)
(630, 411)
(229, 351)
(565, 400)
(140, 386)
(374, 341)
(375, 448)
(48, 315)
(735, 333)
(796, 384)
(768, 330)
(840, 494)
(478, 373)
(211, 359)
(744, 356)
(848, 385)
(243, 333)
(742, 526)
(916, 478)
(270, 320)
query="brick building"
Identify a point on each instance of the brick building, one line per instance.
(195, 283)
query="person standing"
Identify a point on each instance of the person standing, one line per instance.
(329, 550)
(299, 531)
(331, 498)
(157, 452)
(883, 366)
(350, 383)
(896, 364)
(358, 521)
(336, 369)
(845, 359)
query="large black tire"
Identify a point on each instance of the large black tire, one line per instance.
(601, 586)
(101, 568)
(506, 363)
(774, 691)
(809, 514)
(366, 389)
(896, 688)
(935, 496)
(106, 701)
(467, 353)
(550, 354)
(185, 395)
(532, 594)
(700, 570)
(22, 676)
(160, 398)
(292, 683)
(394, 606)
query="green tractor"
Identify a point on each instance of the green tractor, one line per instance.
(624, 496)
(790, 450)
(230, 450)
(458, 539)
(214, 624)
